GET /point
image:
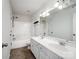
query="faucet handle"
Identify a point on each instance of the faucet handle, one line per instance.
(74, 34)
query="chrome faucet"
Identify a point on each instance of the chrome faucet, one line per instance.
(44, 34)
(67, 41)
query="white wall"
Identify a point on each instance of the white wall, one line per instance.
(22, 30)
(6, 22)
(61, 23)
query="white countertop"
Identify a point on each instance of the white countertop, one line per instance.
(66, 52)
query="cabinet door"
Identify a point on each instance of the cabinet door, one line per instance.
(33, 46)
(43, 54)
(36, 52)
(54, 56)
(35, 49)
(32, 49)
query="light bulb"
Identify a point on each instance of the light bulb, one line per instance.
(46, 14)
(57, 4)
(60, 7)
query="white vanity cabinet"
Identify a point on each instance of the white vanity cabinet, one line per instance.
(41, 52)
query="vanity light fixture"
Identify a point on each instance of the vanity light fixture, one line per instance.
(56, 5)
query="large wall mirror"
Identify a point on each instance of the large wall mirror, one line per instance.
(61, 23)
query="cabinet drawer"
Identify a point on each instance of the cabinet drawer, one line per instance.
(34, 42)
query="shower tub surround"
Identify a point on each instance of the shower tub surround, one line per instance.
(50, 48)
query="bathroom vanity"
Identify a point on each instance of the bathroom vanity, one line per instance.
(51, 49)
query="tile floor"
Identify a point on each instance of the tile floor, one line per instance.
(21, 53)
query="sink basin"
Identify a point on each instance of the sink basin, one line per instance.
(62, 48)
(48, 41)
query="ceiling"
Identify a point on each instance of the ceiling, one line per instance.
(27, 7)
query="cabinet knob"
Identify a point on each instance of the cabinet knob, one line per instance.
(40, 48)
(74, 34)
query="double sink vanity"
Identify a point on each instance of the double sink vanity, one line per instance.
(51, 48)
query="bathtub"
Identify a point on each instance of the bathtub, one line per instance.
(19, 43)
